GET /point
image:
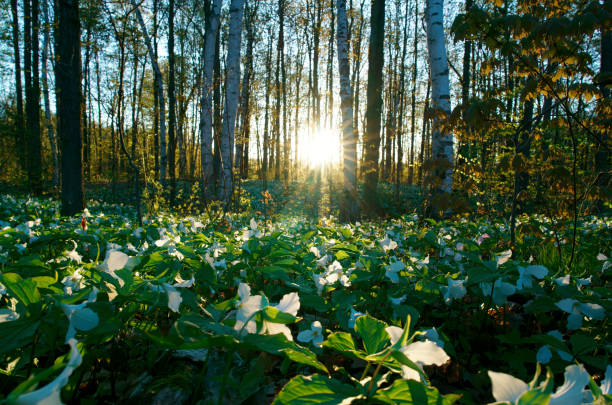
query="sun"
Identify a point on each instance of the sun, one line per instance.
(321, 148)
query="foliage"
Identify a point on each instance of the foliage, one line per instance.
(234, 308)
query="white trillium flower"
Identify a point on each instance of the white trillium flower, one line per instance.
(50, 394)
(320, 282)
(453, 290)
(392, 270)
(563, 281)
(578, 310)
(572, 391)
(398, 300)
(500, 290)
(2, 290)
(73, 283)
(80, 317)
(315, 251)
(314, 334)
(387, 244)
(503, 257)
(526, 275)
(353, 318)
(334, 271)
(507, 388)
(425, 353)
(173, 251)
(73, 254)
(290, 304)
(7, 315)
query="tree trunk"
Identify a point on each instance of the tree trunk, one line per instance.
(442, 141)
(19, 119)
(413, 99)
(45, 88)
(206, 117)
(160, 96)
(232, 79)
(68, 93)
(602, 156)
(31, 66)
(171, 104)
(350, 207)
(374, 106)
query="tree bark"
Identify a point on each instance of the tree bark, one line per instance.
(47, 104)
(442, 140)
(374, 106)
(232, 79)
(350, 207)
(171, 104)
(19, 119)
(206, 117)
(68, 93)
(160, 95)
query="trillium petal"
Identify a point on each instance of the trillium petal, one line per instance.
(594, 311)
(174, 297)
(606, 384)
(567, 305)
(290, 303)
(507, 388)
(410, 374)
(395, 333)
(305, 336)
(276, 328)
(244, 291)
(115, 260)
(538, 271)
(544, 355)
(571, 392)
(84, 319)
(425, 353)
(50, 394)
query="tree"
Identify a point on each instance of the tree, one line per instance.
(160, 95)
(232, 78)
(350, 208)
(442, 139)
(171, 103)
(374, 105)
(206, 117)
(20, 124)
(31, 67)
(68, 93)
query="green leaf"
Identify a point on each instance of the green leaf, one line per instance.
(16, 333)
(341, 342)
(305, 356)
(535, 397)
(24, 290)
(413, 392)
(373, 333)
(315, 389)
(272, 314)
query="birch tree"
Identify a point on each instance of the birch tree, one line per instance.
(442, 140)
(350, 207)
(206, 117)
(232, 78)
(160, 95)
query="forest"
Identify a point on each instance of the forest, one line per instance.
(305, 202)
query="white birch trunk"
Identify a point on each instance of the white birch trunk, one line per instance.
(442, 142)
(232, 78)
(350, 208)
(206, 118)
(163, 157)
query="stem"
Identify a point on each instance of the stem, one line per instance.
(228, 364)
(376, 372)
(365, 371)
